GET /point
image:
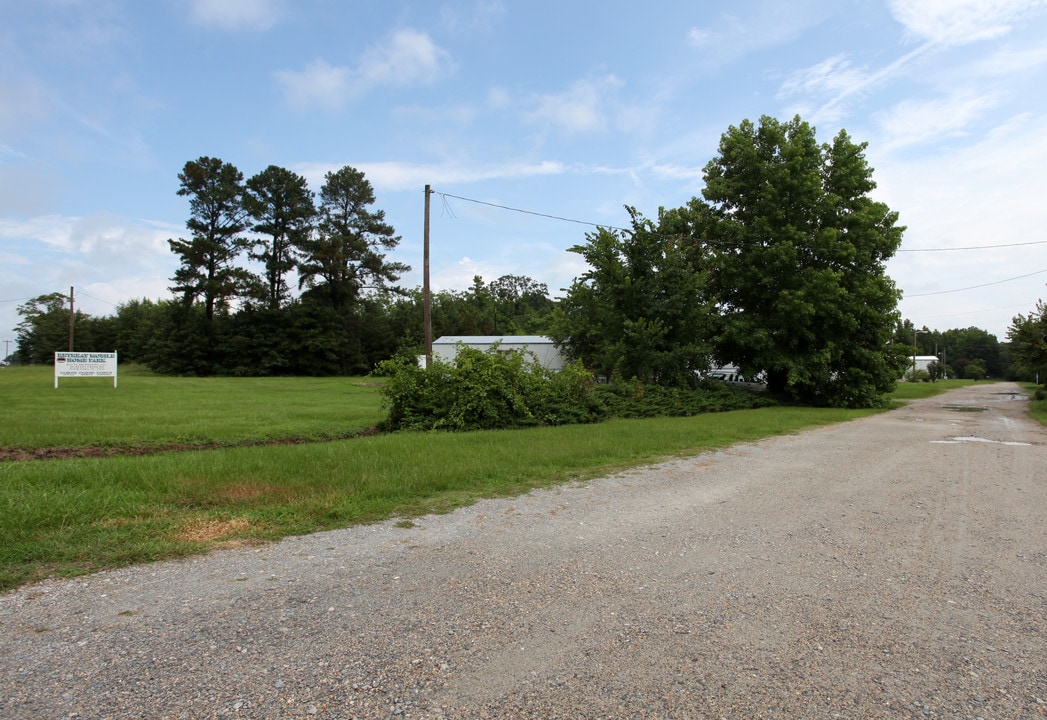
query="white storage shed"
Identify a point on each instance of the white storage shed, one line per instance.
(544, 349)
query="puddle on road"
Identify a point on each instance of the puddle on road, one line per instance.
(972, 439)
(964, 408)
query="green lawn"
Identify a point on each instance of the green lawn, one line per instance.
(149, 409)
(918, 390)
(72, 516)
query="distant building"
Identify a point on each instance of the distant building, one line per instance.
(544, 349)
(921, 362)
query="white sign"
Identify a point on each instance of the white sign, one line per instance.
(85, 364)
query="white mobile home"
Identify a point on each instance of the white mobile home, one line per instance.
(544, 349)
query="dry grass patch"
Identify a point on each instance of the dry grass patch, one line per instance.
(210, 529)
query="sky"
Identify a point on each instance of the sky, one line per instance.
(532, 122)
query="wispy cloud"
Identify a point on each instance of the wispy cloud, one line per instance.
(833, 86)
(750, 27)
(235, 14)
(584, 107)
(407, 58)
(408, 176)
(482, 16)
(699, 37)
(959, 22)
(836, 84)
(916, 121)
(101, 235)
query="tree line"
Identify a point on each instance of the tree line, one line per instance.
(777, 269)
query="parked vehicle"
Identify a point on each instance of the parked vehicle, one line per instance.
(733, 377)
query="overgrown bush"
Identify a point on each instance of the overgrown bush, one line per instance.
(918, 376)
(634, 399)
(486, 391)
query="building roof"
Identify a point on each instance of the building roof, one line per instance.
(488, 340)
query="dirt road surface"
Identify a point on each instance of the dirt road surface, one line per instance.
(890, 567)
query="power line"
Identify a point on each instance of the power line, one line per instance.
(975, 287)
(975, 312)
(106, 302)
(590, 223)
(974, 247)
(530, 212)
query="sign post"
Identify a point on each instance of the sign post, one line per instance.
(85, 364)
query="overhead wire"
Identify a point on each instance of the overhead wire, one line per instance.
(560, 218)
(975, 287)
(590, 223)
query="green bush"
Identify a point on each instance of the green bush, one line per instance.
(918, 376)
(488, 390)
(636, 400)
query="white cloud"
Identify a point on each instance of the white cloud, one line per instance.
(482, 16)
(829, 89)
(582, 108)
(943, 208)
(699, 37)
(99, 236)
(836, 80)
(107, 257)
(407, 58)
(235, 14)
(318, 85)
(409, 176)
(832, 76)
(959, 22)
(913, 121)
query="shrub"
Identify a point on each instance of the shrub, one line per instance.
(918, 376)
(635, 400)
(485, 391)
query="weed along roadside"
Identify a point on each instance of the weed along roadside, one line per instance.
(70, 516)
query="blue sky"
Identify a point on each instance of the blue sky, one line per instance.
(567, 109)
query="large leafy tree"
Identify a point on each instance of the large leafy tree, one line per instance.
(798, 263)
(962, 346)
(44, 328)
(641, 311)
(281, 205)
(347, 254)
(216, 223)
(1028, 343)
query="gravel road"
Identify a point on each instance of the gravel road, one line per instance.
(889, 567)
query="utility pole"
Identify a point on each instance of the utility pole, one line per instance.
(426, 303)
(914, 351)
(72, 314)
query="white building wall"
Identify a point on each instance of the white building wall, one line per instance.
(544, 349)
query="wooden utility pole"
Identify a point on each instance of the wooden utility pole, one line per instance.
(426, 302)
(72, 314)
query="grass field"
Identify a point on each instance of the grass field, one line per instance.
(149, 409)
(65, 517)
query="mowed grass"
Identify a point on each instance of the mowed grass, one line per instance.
(147, 409)
(919, 390)
(61, 518)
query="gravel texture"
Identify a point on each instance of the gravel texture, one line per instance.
(890, 567)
